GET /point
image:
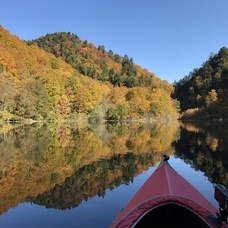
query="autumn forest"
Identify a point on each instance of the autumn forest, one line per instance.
(59, 76)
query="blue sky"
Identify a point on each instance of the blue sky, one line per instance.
(169, 38)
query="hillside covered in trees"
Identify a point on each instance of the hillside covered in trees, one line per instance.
(96, 62)
(74, 80)
(203, 94)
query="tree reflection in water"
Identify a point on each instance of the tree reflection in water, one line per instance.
(69, 162)
(60, 166)
(205, 145)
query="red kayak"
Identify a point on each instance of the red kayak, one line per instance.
(168, 200)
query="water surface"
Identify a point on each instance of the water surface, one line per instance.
(82, 176)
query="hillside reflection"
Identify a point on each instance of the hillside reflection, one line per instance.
(59, 166)
(205, 147)
(94, 179)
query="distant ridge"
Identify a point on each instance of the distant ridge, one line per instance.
(76, 79)
(97, 63)
(203, 94)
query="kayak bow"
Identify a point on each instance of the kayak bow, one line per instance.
(168, 200)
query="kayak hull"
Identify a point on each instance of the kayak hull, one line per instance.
(164, 198)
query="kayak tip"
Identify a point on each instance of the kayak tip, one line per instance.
(165, 157)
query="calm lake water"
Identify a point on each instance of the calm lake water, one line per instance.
(82, 176)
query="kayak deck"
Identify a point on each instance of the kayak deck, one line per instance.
(165, 198)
